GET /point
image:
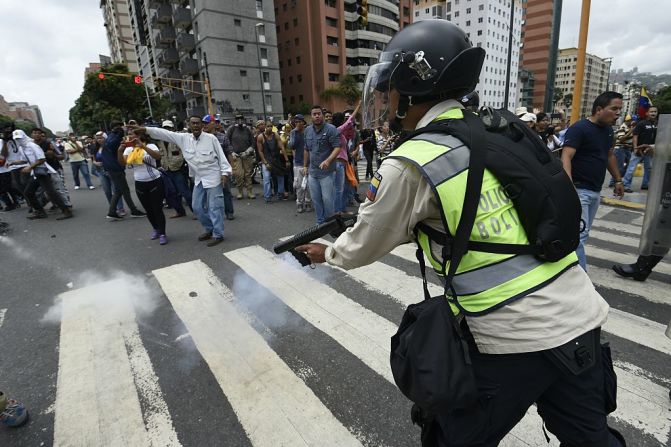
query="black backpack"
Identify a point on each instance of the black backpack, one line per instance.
(543, 194)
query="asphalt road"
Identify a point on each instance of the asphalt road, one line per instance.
(185, 393)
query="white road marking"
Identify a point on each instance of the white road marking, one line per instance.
(617, 238)
(639, 330)
(623, 258)
(97, 395)
(619, 228)
(3, 312)
(359, 330)
(273, 405)
(651, 290)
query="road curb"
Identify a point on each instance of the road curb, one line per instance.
(623, 204)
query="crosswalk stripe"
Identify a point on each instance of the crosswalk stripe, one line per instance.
(623, 258)
(97, 399)
(357, 329)
(638, 329)
(650, 290)
(629, 241)
(3, 312)
(273, 405)
(629, 230)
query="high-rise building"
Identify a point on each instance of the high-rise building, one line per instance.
(494, 25)
(119, 32)
(540, 41)
(21, 111)
(230, 43)
(428, 9)
(320, 41)
(595, 80)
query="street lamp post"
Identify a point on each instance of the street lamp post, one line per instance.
(258, 54)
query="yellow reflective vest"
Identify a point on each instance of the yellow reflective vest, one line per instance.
(483, 281)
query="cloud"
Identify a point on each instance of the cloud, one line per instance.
(49, 46)
(632, 34)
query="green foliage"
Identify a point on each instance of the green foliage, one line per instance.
(347, 89)
(663, 100)
(104, 100)
(558, 95)
(568, 99)
(302, 108)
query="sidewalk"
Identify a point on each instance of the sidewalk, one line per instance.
(631, 200)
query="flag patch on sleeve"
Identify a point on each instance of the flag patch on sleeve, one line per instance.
(373, 187)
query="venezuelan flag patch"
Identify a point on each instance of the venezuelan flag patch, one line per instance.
(373, 187)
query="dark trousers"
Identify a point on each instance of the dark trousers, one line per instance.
(120, 188)
(8, 193)
(20, 180)
(369, 163)
(181, 182)
(572, 406)
(151, 195)
(43, 181)
(228, 199)
(289, 178)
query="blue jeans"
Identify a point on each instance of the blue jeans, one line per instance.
(267, 183)
(635, 160)
(340, 199)
(82, 166)
(622, 155)
(589, 201)
(322, 191)
(108, 187)
(208, 206)
(182, 186)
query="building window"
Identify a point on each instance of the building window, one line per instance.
(468, 23)
(295, 23)
(237, 22)
(243, 73)
(333, 59)
(456, 13)
(241, 48)
(333, 77)
(289, 62)
(416, 13)
(296, 41)
(299, 78)
(259, 9)
(449, 17)
(269, 103)
(468, 10)
(298, 60)
(284, 7)
(330, 21)
(266, 76)
(292, 100)
(480, 19)
(330, 40)
(291, 80)
(330, 3)
(286, 26)
(481, 7)
(245, 97)
(479, 32)
(300, 98)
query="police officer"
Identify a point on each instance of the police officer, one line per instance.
(520, 313)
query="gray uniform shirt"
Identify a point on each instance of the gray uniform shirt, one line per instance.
(551, 316)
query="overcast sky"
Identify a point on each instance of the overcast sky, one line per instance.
(48, 43)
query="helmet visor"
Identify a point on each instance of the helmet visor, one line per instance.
(376, 89)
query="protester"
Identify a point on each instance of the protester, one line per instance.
(384, 142)
(243, 145)
(369, 147)
(644, 135)
(174, 167)
(274, 162)
(141, 156)
(587, 153)
(78, 160)
(322, 145)
(529, 119)
(210, 170)
(297, 144)
(103, 175)
(623, 147)
(212, 125)
(40, 173)
(53, 158)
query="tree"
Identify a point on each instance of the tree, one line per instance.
(558, 95)
(107, 99)
(347, 89)
(568, 100)
(662, 100)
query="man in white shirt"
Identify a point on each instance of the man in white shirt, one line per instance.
(210, 170)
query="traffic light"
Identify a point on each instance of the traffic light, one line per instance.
(137, 79)
(362, 10)
(101, 76)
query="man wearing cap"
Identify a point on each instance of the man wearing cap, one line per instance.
(211, 171)
(242, 143)
(175, 169)
(529, 119)
(213, 126)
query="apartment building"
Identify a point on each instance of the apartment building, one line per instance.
(119, 32)
(321, 40)
(540, 42)
(595, 79)
(428, 9)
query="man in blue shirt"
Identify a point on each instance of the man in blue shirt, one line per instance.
(297, 144)
(322, 145)
(588, 151)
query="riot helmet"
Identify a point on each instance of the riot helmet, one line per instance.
(425, 61)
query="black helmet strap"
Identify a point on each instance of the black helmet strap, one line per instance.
(404, 103)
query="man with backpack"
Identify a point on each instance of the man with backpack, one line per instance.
(527, 340)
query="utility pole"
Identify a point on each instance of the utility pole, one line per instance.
(510, 54)
(580, 65)
(258, 54)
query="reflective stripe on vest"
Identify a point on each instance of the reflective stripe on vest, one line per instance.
(484, 281)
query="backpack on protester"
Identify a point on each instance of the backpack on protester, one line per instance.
(429, 357)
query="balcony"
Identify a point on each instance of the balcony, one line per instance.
(188, 66)
(177, 97)
(182, 17)
(185, 42)
(196, 89)
(166, 36)
(173, 73)
(153, 4)
(164, 14)
(168, 57)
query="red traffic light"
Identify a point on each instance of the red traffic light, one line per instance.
(137, 79)
(101, 76)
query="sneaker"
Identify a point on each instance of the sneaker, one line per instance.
(215, 241)
(154, 235)
(205, 236)
(177, 215)
(76, 188)
(628, 190)
(251, 195)
(644, 188)
(230, 216)
(37, 215)
(299, 208)
(114, 216)
(14, 414)
(67, 214)
(92, 187)
(163, 239)
(239, 196)
(121, 212)
(137, 213)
